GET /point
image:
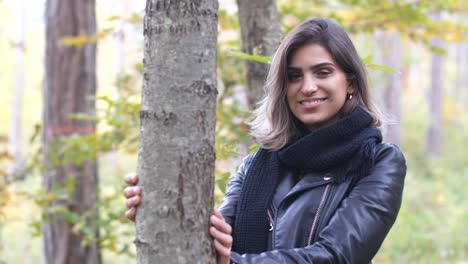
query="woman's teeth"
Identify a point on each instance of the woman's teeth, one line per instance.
(312, 102)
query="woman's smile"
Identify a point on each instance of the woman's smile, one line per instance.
(312, 103)
(316, 87)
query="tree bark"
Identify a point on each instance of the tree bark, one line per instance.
(14, 138)
(261, 34)
(69, 87)
(392, 58)
(434, 133)
(176, 156)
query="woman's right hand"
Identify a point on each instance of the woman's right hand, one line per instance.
(133, 194)
(221, 233)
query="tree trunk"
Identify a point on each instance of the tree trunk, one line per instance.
(392, 58)
(122, 8)
(461, 87)
(377, 78)
(176, 156)
(261, 35)
(14, 138)
(434, 133)
(70, 85)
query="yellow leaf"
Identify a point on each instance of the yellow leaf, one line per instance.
(76, 41)
(346, 15)
(51, 197)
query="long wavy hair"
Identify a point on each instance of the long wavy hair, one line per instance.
(274, 124)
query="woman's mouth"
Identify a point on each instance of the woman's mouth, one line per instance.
(312, 103)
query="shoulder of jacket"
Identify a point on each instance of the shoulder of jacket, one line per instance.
(389, 152)
(388, 149)
(246, 162)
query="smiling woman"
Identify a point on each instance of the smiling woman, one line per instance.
(316, 87)
(322, 188)
(317, 48)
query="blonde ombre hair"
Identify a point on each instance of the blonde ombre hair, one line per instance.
(274, 124)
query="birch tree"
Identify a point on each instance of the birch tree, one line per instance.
(122, 7)
(19, 48)
(176, 156)
(434, 133)
(392, 102)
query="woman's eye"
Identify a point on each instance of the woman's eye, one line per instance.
(294, 77)
(323, 74)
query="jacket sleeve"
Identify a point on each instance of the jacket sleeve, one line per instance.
(359, 225)
(229, 203)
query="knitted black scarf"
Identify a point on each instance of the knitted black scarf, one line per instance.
(343, 148)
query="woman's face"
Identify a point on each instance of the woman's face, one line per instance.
(316, 87)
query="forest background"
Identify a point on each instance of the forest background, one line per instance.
(432, 220)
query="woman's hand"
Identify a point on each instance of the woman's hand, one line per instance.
(220, 230)
(133, 194)
(221, 233)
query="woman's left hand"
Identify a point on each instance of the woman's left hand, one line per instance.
(221, 233)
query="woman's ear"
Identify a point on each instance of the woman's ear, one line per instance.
(350, 80)
(350, 89)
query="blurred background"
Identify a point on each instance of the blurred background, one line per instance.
(416, 53)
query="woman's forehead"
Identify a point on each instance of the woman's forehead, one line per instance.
(311, 55)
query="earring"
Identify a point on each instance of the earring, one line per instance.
(350, 96)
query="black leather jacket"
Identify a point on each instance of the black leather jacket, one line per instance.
(316, 221)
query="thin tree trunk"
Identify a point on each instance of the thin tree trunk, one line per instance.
(70, 85)
(176, 156)
(434, 133)
(261, 35)
(377, 77)
(392, 58)
(14, 138)
(461, 87)
(122, 8)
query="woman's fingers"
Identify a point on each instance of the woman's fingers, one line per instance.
(133, 195)
(220, 224)
(131, 179)
(133, 201)
(218, 214)
(131, 213)
(223, 238)
(132, 191)
(221, 249)
(221, 233)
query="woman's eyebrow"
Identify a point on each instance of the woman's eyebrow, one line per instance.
(316, 66)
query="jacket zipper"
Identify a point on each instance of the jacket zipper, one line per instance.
(319, 210)
(270, 218)
(274, 220)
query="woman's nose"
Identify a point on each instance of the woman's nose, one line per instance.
(309, 85)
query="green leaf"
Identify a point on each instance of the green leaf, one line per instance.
(383, 68)
(254, 148)
(438, 50)
(36, 133)
(250, 57)
(222, 180)
(112, 18)
(84, 117)
(368, 60)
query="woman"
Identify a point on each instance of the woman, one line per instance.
(322, 188)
